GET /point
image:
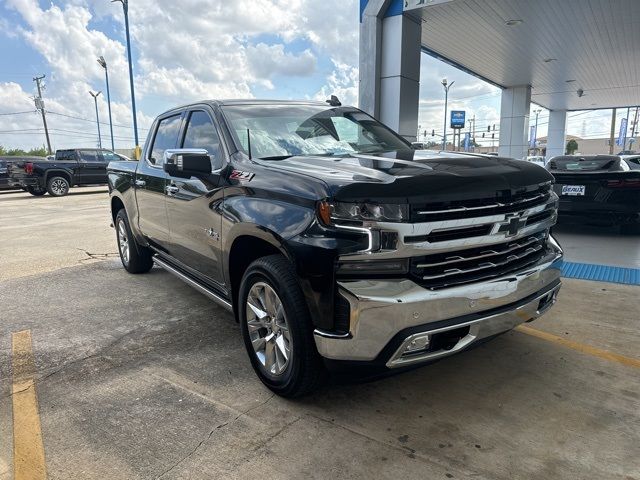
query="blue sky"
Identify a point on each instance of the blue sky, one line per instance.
(190, 50)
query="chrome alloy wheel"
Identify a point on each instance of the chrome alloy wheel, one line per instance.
(268, 329)
(59, 186)
(123, 242)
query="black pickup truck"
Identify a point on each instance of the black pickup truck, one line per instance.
(73, 167)
(332, 240)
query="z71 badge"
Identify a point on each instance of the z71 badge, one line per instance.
(242, 176)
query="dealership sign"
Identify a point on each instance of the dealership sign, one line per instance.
(457, 118)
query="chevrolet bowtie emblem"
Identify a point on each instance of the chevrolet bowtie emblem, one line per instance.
(212, 233)
(513, 225)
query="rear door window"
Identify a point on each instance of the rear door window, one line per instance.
(90, 156)
(166, 137)
(65, 155)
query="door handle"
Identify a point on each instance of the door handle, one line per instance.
(171, 189)
(140, 183)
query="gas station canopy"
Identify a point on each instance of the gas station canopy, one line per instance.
(575, 54)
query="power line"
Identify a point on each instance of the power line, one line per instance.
(37, 131)
(18, 113)
(74, 135)
(89, 120)
(68, 116)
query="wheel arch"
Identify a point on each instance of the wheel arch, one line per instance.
(246, 244)
(58, 173)
(116, 205)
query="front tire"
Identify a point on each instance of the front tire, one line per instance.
(134, 257)
(58, 186)
(277, 329)
(36, 191)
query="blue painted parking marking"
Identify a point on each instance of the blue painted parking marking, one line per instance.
(601, 273)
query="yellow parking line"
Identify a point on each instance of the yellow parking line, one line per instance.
(28, 450)
(581, 347)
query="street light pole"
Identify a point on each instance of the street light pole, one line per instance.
(95, 100)
(125, 8)
(446, 100)
(103, 64)
(535, 136)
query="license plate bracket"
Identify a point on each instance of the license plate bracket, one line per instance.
(573, 190)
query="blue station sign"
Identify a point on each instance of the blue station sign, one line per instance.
(457, 118)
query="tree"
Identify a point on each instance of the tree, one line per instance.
(572, 147)
(19, 152)
(38, 152)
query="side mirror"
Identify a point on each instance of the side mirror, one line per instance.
(195, 161)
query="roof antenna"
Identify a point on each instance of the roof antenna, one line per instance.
(333, 101)
(249, 143)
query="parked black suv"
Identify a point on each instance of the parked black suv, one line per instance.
(331, 239)
(73, 167)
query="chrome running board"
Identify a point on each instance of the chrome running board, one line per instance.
(191, 282)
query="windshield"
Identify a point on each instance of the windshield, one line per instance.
(280, 131)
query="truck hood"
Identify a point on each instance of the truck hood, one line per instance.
(410, 176)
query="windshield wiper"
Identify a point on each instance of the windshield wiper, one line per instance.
(275, 157)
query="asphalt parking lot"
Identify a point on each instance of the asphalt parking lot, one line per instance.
(143, 377)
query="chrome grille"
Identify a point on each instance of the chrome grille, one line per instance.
(454, 268)
(503, 202)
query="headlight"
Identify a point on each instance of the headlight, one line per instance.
(361, 212)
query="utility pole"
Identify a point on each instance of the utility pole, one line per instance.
(613, 131)
(473, 136)
(40, 106)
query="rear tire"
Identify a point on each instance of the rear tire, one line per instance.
(36, 191)
(58, 186)
(275, 318)
(134, 257)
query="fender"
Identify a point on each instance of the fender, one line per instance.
(250, 230)
(261, 218)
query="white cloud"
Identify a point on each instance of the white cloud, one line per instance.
(343, 83)
(185, 50)
(268, 60)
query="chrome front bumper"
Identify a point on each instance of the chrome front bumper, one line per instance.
(386, 313)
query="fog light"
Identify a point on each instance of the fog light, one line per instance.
(417, 343)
